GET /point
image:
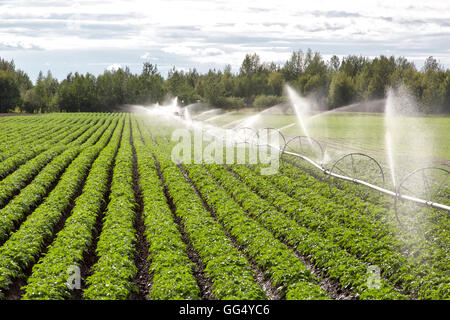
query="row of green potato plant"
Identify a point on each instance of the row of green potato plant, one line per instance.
(113, 274)
(338, 264)
(42, 133)
(8, 124)
(369, 196)
(4, 121)
(286, 272)
(347, 198)
(435, 237)
(227, 268)
(49, 276)
(24, 246)
(16, 127)
(362, 238)
(23, 135)
(22, 156)
(21, 129)
(18, 179)
(30, 196)
(170, 267)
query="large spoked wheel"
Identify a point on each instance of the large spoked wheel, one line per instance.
(358, 166)
(270, 140)
(245, 145)
(430, 184)
(304, 146)
(271, 137)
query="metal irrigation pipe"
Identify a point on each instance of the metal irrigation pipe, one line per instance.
(367, 184)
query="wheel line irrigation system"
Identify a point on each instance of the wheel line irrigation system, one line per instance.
(182, 114)
(329, 172)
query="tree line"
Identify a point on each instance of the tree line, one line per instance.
(333, 83)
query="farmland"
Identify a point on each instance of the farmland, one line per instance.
(100, 193)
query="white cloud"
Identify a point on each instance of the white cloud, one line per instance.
(148, 56)
(114, 67)
(219, 32)
(17, 45)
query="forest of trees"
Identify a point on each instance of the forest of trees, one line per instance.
(334, 83)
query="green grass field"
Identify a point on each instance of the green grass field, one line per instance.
(416, 137)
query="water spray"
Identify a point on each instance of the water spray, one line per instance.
(301, 108)
(287, 126)
(182, 114)
(219, 116)
(390, 158)
(206, 113)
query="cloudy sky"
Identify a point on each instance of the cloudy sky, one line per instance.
(91, 36)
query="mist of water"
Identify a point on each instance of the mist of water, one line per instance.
(301, 108)
(220, 116)
(187, 115)
(372, 106)
(390, 152)
(409, 146)
(207, 112)
(233, 123)
(250, 122)
(409, 142)
(173, 114)
(287, 126)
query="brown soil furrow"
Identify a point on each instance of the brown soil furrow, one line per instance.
(143, 278)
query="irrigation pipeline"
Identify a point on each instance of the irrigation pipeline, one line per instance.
(367, 184)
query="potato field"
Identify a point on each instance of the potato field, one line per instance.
(92, 206)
